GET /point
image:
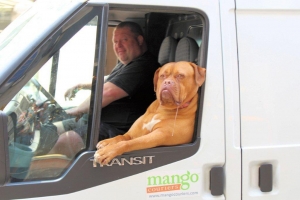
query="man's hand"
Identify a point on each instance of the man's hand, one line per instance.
(71, 92)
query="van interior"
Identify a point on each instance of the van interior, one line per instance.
(170, 36)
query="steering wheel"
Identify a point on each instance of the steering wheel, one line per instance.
(54, 110)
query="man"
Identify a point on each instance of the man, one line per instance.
(127, 91)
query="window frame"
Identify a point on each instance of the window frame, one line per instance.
(51, 45)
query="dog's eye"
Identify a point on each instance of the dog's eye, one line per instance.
(180, 76)
(162, 76)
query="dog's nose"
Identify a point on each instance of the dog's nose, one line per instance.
(168, 82)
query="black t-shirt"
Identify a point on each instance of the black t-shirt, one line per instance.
(135, 78)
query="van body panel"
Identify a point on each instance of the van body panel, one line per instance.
(265, 4)
(269, 74)
(231, 100)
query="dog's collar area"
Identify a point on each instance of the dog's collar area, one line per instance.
(185, 105)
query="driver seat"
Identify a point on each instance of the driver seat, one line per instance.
(48, 166)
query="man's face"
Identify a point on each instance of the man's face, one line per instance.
(127, 46)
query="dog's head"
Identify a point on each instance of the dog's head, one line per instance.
(177, 83)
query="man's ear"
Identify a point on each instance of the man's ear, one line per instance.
(140, 40)
(155, 78)
(200, 73)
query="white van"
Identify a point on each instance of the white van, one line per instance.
(246, 144)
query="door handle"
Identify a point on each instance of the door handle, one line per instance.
(216, 181)
(266, 177)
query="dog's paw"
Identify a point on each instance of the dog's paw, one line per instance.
(107, 142)
(102, 144)
(99, 145)
(101, 157)
(96, 157)
(104, 155)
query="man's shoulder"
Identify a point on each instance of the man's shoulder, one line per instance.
(147, 63)
(147, 56)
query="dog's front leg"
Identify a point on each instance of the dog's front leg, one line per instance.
(111, 141)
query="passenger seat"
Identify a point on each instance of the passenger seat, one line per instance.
(167, 50)
(187, 50)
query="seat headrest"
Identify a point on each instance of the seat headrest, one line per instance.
(187, 50)
(167, 50)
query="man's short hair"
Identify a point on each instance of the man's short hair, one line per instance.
(134, 27)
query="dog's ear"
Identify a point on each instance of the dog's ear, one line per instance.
(200, 73)
(155, 78)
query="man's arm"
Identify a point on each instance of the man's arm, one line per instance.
(81, 108)
(111, 93)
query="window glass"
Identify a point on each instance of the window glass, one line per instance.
(38, 127)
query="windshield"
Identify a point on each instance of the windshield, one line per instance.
(26, 31)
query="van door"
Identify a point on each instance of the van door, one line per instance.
(194, 170)
(268, 44)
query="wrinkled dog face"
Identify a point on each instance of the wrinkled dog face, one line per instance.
(177, 83)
